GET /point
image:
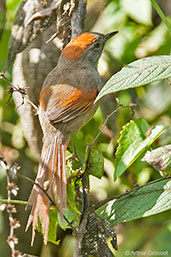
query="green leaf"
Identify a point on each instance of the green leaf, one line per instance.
(80, 145)
(53, 223)
(145, 201)
(138, 10)
(160, 158)
(71, 194)
(133, 142)
(138, 73)
(71, 216)
(96, 163)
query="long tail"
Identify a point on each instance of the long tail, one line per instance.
(51, 177)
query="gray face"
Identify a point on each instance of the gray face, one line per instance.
(93, 51)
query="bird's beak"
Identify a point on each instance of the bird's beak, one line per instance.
(111, 34)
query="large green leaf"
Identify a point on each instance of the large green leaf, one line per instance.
(133, 142)
(138, 73)
(145, 201)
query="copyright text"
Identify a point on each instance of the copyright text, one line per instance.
(146, 253)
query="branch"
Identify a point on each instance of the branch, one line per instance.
(44, 13)
(83, 219)
(84, 216)
(78, 18)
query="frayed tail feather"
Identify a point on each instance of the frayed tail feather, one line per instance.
(51, 172)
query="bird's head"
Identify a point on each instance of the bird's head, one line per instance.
(87, 46)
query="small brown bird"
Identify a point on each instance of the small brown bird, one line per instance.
(66, 105)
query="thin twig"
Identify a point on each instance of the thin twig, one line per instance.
(28, 255)
(37, 184)
(22, 91)
(131, 106)
(12, 201)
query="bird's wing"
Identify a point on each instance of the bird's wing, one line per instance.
(63, 103)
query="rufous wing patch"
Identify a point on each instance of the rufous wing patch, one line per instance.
(68, 108)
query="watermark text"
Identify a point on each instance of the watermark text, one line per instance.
(146, 253)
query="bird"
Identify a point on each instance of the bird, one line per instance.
(66, 104)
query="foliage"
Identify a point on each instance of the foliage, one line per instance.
(138, 73)
(145, 201)
(133, 141)
(120, 154)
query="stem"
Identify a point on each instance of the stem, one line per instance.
(161, 14)
(13, 201)
(104, 124)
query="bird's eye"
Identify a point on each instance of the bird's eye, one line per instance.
(97, 45)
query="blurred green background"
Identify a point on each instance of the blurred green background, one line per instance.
(142, 33)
